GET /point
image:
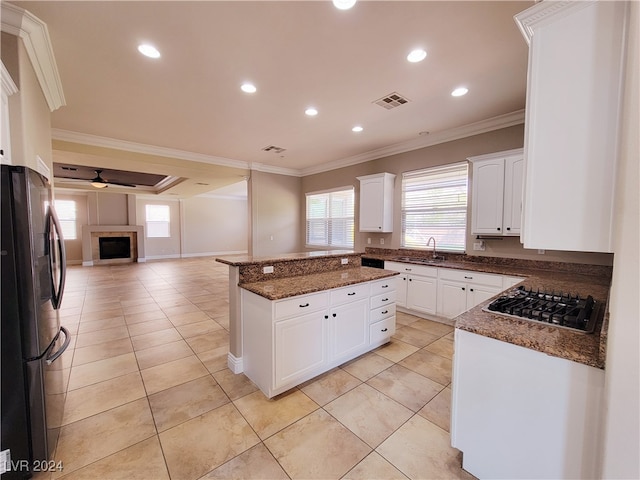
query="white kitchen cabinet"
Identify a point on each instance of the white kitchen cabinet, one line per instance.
(286, 342)
(8, 89)
(518, 413)
(460, 290)
(376, 202)
(496, 205)
(417, 286)
(572, 123)
(348, 330)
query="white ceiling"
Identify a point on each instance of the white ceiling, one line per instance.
(298, 53)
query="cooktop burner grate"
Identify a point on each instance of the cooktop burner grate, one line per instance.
(558, 309)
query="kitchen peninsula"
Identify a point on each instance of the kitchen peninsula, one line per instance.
(294, 316)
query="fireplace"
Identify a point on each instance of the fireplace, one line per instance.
(114, 247)
(112, 244)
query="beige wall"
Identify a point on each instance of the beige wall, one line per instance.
(29, 113)
(275, 206)
(622, 374)
(441, 154)
(215, 225)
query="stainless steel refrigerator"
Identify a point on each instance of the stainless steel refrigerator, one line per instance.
(32, 260)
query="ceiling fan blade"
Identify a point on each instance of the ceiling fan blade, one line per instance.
(119, 184)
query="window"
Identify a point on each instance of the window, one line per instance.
(330, 221)
(158, 219)
(434, 204)
(66, 211)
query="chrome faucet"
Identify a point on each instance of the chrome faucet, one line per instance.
(434, 246)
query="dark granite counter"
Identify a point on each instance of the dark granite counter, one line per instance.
(280, 288)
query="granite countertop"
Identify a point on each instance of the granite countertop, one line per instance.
(280, 288)
(583, 280)
(239, 260)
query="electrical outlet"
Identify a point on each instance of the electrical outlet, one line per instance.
(268, 269)
(344, 261)
(479, 246)
(369, 240)
(540, 251)
(382, 241)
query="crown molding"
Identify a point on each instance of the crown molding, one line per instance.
(105, 142)
(261, 167)
(35, 37)
(542, 12)
(494, 123)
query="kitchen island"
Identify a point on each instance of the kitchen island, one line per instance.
(298, 315)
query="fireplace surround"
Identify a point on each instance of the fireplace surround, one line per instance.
(91, 239)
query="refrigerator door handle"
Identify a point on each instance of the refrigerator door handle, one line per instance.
(67, 339)
(56, 297)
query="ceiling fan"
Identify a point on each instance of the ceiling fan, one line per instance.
(99, 182)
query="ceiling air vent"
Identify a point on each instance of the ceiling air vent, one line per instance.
(274, 149)
(392, 100)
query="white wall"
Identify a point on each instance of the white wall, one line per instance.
(622, 373)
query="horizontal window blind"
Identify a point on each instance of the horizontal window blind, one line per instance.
(330, 218)
(434, 204)
(158, 220)
(66, 211)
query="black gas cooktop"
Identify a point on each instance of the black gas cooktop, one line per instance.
(558, 309)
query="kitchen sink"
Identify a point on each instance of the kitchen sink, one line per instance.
(421, 260)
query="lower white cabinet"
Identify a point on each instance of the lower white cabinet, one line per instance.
(518, 413)
(417, 286)
(286, 342)
(460, 290)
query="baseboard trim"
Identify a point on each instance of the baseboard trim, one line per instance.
(234, 363)
(87, 264)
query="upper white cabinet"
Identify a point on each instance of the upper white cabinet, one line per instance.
(376, 202)
(497, 193)
(572, 122)
(8, 89)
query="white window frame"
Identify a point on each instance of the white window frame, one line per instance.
(434, 204)
(157, 227)
(68, 218)
(332, 221)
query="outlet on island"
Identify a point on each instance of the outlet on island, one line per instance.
(268, 269)
(344, 261)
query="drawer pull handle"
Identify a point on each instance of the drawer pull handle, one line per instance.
(386, 311)
(384, 329)
(408, 269)
(468, 278)
(385, 286)
(385, 299)
(352, 293)
(305, 305)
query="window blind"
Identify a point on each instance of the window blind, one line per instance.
(158, 220)
(434, 204)
(330, 218)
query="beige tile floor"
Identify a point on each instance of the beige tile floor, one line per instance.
(149, 395)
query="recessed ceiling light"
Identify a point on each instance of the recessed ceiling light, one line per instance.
(312, 112)
(344, 4)
(357, 128)
(248, 87)
(148, 50)
(460, 91)
(417, 55)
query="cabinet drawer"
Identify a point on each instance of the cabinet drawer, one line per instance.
(466, 276)
(350, 293)
(302, 304)
(383, 299)
(412, 268)
(382, 330)
(381, 313)
(383, 286)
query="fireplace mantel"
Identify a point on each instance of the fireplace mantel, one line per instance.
(90, 233)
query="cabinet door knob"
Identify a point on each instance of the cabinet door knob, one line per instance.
(334, 315)
(498, 228)
(463, 288)
(303, 306)
(471, 289)
(411, 279)
(326, 316)
(508, 228)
